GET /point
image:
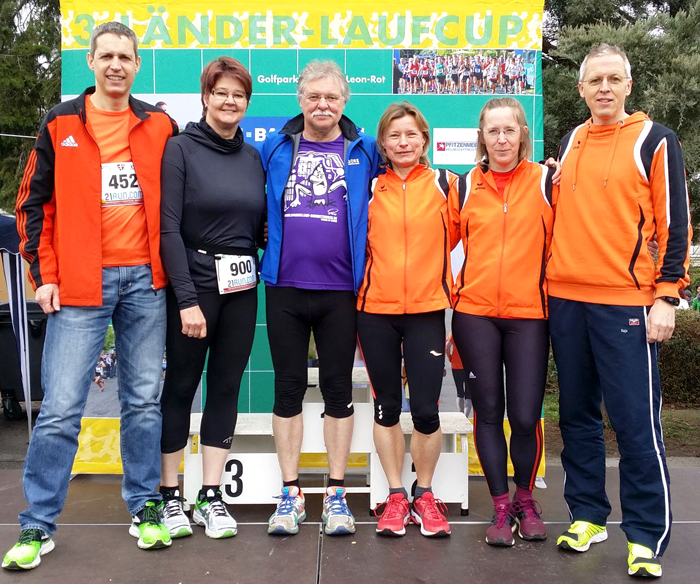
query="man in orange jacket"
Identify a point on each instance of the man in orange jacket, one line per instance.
(88, 214)
(623, 180)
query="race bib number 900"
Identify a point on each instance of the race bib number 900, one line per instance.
(120, 186)
(235, 273)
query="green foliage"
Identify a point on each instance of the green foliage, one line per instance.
(679, 362)
(664, 51)
(109, 339)
(552, 383)
(29, 82)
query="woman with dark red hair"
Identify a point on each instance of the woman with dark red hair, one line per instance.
(212, 214)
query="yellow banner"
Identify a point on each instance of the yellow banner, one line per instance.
(98, 447)
(350, 24)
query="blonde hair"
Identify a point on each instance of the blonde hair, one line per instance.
(399, 110)
(516, 107)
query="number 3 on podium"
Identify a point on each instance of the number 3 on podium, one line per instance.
(234, 471)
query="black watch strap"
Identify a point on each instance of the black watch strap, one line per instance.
(670, 300)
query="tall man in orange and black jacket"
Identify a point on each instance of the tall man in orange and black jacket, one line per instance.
(610, 305)
(88, 214)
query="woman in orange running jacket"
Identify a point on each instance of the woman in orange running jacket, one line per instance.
(504, 211)
(402, 302)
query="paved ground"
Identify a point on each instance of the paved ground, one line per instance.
(93, 545)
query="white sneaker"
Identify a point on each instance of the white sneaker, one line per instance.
(211, 513)
(174, 517)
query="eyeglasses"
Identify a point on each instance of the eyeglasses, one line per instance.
(221, 95)
(509, 132)
(613, 81)
(331, 99)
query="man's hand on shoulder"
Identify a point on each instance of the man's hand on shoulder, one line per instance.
(556, 165)
(47, 297)
(661, 321)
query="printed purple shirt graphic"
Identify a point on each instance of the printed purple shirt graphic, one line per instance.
(315, 238)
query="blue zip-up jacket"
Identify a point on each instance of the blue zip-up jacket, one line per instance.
(362, 162)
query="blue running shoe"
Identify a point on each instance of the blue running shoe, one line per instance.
(289, 514)
(336, 516)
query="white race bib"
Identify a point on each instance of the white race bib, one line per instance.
(235, 273)
(120, 185)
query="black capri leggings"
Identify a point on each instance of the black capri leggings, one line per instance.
(230, 330)
(292, 313)
(485, 344)
(423, 338)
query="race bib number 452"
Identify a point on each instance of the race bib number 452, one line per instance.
(235, 273)
(120, 185)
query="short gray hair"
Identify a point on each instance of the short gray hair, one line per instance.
(318, 70)
(116, 28)
(602, 50)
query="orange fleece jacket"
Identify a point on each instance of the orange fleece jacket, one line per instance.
(621, 184)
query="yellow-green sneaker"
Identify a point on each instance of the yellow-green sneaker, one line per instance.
(26, 553)
(642, 562)
(148, 526)
(580, 536)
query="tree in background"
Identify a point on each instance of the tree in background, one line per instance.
(663, 45)
(30, 80)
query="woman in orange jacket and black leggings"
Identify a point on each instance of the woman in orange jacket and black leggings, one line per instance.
(504, 211)
(401, 303)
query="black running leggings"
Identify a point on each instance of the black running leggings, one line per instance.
(292, 313)
(485, 344)
(230, 329)
(423, 338)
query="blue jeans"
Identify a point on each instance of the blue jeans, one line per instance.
(74, 339)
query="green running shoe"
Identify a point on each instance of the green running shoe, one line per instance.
(642, 562)
(26, 553)
(580, 536)
(148, 527)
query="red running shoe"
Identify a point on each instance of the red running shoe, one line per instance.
(500, 532)
(527, 515)
(395, 516)
(429, 513)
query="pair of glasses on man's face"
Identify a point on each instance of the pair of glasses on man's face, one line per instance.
(331, 98)
(613, 81)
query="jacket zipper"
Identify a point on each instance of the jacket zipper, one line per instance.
(503, 244)
(351, 231)
(405, 251)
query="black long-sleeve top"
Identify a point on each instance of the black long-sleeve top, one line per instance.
(213, 197)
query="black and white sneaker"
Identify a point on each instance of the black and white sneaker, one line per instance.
(174, 517)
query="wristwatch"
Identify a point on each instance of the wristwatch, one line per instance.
(670, 300)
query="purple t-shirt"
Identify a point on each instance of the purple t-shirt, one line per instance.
(315, 239)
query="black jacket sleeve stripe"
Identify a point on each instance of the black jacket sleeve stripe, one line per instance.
(678, 215)
(36, 190)
(651, 142)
